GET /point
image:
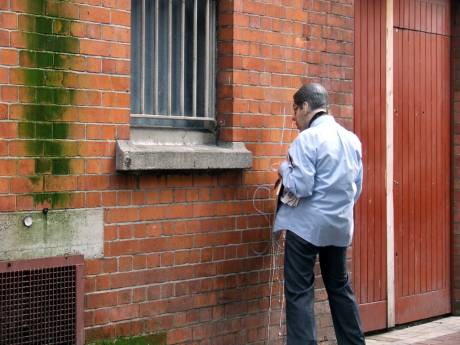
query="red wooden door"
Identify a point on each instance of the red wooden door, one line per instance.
(421, 158)
(369, 244)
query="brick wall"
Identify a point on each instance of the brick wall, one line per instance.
(455, 158)
(184, 254)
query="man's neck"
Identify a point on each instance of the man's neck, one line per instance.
(315, 114)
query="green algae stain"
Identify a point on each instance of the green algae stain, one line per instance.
(42, 166)
(153, 339)
(60, 130)
(61, 27)
(26, 130)
(43, 68)
(60, 166)
(54, 199)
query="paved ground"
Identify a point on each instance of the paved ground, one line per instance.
(444, 331)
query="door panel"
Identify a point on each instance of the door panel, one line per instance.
(431, 16)
(421, 174)
(369, 246)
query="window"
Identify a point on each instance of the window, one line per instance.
(173, 127)
(173, 63)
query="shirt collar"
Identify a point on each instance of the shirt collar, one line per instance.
(322, 119)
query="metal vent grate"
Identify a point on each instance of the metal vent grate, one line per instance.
(41, 301)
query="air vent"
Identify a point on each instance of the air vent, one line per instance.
(41, 301)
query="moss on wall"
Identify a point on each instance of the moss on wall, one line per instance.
(43, 67)
(153, 339)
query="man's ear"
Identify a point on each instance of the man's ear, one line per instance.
(305, 107)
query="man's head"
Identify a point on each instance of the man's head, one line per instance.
(309, 100)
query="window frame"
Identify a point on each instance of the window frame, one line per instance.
(198, 120)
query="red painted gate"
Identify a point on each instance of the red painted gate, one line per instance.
(421, 160)
(369, 245)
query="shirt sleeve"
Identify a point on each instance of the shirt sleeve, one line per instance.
(359, 177)
(298, 172)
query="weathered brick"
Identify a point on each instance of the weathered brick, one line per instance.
(176, 245)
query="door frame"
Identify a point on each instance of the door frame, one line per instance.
(389, 69)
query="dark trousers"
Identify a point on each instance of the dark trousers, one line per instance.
(300, 257)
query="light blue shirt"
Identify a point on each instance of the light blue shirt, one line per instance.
(325, 173)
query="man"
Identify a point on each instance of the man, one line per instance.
(322, 180)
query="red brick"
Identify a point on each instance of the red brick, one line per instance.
(100, 166)
(26, 185)
(67, 10)
(92, 47)
(94, 14)
(4, 38)
(78, 29)
(90, 182)
(109, 66)
(7, 167)
(93, 65)
(109, 198)
(101, 316)
(103, 282)
(120, 18)
(7, 203)
(24, 202)
(100, 132)
(96, 149)
(9, 57)
(4, 78)
(118, 50)
(93, 267)
(124, 263)
(115, 34)
(86, 98)
(125, 297)
(9, 94)
(117, 215)
(60, 183)
(179, 335)
(115, 100)
(4, 185)
(8, 20)
(93, 31)
(101, 300)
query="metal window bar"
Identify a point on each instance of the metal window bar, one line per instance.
(155, 96)
(206, 63)
(143, 29)
(208, 56)
(170, 56)
(182, 58)
(214, 55)
(195, 55)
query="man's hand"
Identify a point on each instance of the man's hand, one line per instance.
(277, 235)
(283, 167)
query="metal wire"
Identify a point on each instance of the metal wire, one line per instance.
(38, 305)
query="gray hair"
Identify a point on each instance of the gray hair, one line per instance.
(314, 94)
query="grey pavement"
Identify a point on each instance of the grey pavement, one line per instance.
(444, 331)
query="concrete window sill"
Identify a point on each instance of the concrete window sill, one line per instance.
(137, 157)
